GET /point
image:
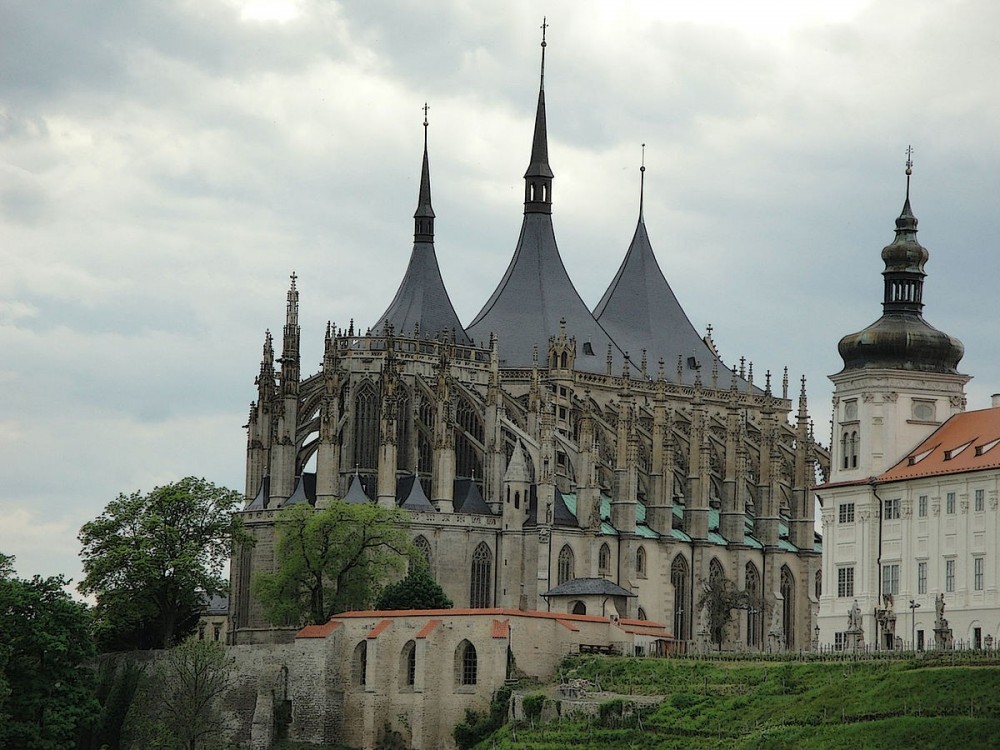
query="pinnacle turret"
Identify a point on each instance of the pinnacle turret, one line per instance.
(423, 218)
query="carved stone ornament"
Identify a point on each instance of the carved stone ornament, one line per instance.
(907, 508)
(868, 397)
(964, 505)
(936, 508)
(891, 397)
(993, 502)
(957, 402)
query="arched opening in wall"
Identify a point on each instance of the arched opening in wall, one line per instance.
(788, 607)
(531, 192)
(855, 449)
(715, 570)
(366, 427)
(564, 360)
(579, 608)
(359, 664)
(755, 615)
(845, 451)
(425, 436)
(641, 614)
(469, 437)
(480, 587)
(680, 580)
(545, 191)
(408, 664)
(566, 566)
(819, 584)
(466, 664)
(717, 578)
(604, 560)
(640, 562)
(423, 548)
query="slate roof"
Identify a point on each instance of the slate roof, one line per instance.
(468, 498)
(422, 302)
(304, 492)
(536, 293)
(416, 500)
(640, 311)
(966, 442)
(588, 586)
(356, 492)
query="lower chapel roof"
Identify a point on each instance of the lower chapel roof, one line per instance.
(469, 501)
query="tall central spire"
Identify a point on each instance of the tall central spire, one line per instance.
(538, 177)
(423, 218)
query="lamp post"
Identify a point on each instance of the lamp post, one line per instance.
(914, 605)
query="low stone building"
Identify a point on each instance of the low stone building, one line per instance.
(365, 676)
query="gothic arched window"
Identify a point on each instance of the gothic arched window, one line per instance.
(566, 566)
(424, 549)
(466, 664)
(788, 606)
(404, 461)
(366, 427)
(408, 664)
(819, 584)
(480, 587)
(855, 449)
(715, 570)
(604, 559)
(640, 562)
(680, 579)
(359, 664)
(468, 462)
(755, 618)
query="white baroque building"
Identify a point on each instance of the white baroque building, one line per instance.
(910, 510)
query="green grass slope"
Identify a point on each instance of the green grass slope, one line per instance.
(926, 703)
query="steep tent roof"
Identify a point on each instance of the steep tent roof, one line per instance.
(416, 499)
(536, 293)
(640, 311)
(356, 492)
(422, 303)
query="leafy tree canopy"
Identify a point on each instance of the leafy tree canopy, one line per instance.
(150, 558)
(46, 683)
(418, 590)
(330, 560)
(178, 707)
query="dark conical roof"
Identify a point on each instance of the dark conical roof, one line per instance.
(422, 302)
(416, 500)
(536, 293)
(356, 494)
(531, 299)
(639, 311)
(901, 339)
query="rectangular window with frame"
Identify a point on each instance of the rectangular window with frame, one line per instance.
(949, 503)
(890, 579)
(891, 509)
(845, 582)
(922, 506)
(838, 641)
(977, 573)
(980, 501)
(846, 513)
(949, 576)
(921, 577)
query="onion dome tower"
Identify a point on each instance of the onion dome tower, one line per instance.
(900, 378)
(901, 339)
(422, 306)
(536, 294)
(641, 313)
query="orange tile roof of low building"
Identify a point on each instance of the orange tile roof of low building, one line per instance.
(501, 628)
(568, 625)
(427, 629)
(318, 631)
(966, 442)
(379, 628)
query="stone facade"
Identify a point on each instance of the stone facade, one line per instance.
(547, 451)
(366, 675)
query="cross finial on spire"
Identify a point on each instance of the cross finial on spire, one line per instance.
(909, 169)
(293, 277)
(642, 179)
(425, 108)
(544, 26)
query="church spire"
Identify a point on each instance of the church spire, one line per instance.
(423, 219)
(538, 176)
(642, 182)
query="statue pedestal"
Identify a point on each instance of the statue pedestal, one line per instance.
(854, 640)
(943, 638)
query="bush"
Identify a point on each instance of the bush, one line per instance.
(533, 705)
(477, 727)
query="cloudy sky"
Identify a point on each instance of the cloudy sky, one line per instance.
(164, 167)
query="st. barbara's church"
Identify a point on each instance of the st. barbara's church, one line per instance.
(551, 456)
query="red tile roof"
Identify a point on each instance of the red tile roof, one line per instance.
(568, 625)
(427, 629)
(379, 628)
(495, 611)
(501, 629)
(318, 631)
(967, 442)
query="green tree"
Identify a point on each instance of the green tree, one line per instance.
(150, 558)
(178, 706)
(330, 560)
(418, 590)
(47, 647)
